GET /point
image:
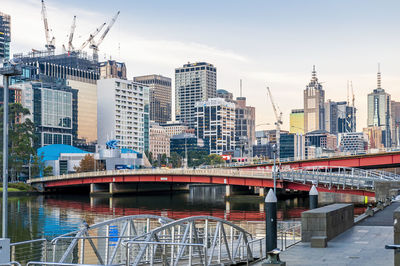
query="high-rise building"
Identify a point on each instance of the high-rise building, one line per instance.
(160, 96)
(159, 141)
(174, 128)
(215, 123)
(122, 113)
(194, 82)
(112, 69)
(379, 111)
(245, 124)
(80, 73)
(5, 36)
(314, 99)
(374, 135)
(187, 142)
(340, 117)
(353, 142)
(395, 123)
(226, 95)
(53, 109)
(297, 121)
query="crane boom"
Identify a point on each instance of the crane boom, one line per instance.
(92, 35)
(278, 116)
(107, 29)
(278, 123)
(50, 43)
(71, 35)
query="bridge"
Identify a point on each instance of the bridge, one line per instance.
(365, 161)
(327, 179)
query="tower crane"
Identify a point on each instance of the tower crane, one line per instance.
(50, 42)
(71, 35)
(278, 122)
(95, 45)
(91, 36)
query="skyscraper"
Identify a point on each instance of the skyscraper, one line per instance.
(215, 123)
(5, 36)
(340, 117)
(379, 111)
(245, 127)
(112, 69)
(194, 82)
(314, 98)
(160, 96)
(297, 121)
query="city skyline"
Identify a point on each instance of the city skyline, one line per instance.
(269, 43)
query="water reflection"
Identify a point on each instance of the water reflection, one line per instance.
(52, 215)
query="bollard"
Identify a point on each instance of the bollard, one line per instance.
(313, 197)
(396, 236)
(272, 253)
(270, 221)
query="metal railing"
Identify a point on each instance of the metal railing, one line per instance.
(29, 250)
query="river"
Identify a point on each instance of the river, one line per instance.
(51, 215)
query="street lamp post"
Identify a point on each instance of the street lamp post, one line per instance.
(274, 171)
(11, 69)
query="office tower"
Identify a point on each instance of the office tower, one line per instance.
(80, 73)
(122, 113)
(226, 95)
(186, 142)
(297, 121)
(159, 141)
(340, 117)
(245, 117)
(5, 36)
(215, 123)
(353, 142)
(160, 96)
(287, 146)
(53, 109)
(379, 111)
(314, 98)
(395, 123)
(194, 82)
(374, 135)
(112, 69)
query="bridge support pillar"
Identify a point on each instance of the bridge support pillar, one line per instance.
(228, 190)
(111, 188)
(98, 188)
(261, 191)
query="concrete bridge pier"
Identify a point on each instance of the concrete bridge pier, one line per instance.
(98, 188)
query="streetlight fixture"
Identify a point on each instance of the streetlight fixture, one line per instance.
(9, 69)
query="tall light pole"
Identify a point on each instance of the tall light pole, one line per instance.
(274, 149)
(8, 70)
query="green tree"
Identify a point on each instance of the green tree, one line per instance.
(175, 160)
(48, 171)
(86, 164)
(213, 159)
(21, 134)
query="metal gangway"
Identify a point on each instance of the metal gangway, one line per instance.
(154, 240)
(338, 176)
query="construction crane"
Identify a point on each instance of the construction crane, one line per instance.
(71, 35)
(50, 42)
(278, 123)
(95, 45)
(91, 36)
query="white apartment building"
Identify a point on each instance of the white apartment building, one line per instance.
(173, 128)
(122, 108)
(215, 123)
(159, 141)
(194, 82)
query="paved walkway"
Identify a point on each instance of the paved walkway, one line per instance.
(363, 244)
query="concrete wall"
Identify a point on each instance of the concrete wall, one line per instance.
(383, 189)
(328, 221)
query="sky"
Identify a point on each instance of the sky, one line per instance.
(262, 42)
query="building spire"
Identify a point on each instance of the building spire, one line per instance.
(379, 77)
(314, 74)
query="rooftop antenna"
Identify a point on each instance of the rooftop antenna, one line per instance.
(379, 76)
(348, 101)
(240, 87)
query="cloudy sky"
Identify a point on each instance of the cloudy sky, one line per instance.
(261, 42)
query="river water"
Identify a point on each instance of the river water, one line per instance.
(51, 215)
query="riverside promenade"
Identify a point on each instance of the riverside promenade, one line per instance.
(363, 244)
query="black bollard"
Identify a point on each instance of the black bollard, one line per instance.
(270, 221)
(313, 197)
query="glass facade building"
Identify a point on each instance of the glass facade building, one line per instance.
(5, 36)
(187, 141)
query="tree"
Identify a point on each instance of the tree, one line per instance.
(48, 171)
(86, 164)
(21, 133)
(175, 160)
(213, 159)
